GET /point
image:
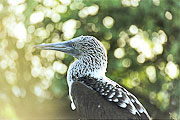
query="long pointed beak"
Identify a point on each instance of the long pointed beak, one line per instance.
(53, 46)
(65, 46)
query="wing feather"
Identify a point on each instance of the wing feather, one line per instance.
(113, 92)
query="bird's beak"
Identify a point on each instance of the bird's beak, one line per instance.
(65, 46)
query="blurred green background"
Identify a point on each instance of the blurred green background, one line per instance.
(142, 39)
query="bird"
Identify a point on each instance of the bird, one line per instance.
(92, 94)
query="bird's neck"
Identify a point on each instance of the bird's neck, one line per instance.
(93, 65)
(88, 66)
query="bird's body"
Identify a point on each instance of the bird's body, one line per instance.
(93, 94)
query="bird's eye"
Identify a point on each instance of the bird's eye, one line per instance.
(73, 45)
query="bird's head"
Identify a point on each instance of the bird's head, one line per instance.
(79, 47)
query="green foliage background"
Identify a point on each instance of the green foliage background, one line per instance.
(31, 87)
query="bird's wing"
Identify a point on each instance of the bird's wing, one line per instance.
(115, 93)
(134, 105)
(92, 105)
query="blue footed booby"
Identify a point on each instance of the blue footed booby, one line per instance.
(92, 94)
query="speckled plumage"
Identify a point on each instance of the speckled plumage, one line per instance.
(90, 70)
(92, 60)
(93, 94)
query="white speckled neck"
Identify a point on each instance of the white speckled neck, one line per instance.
(85, 67)
(91, 63)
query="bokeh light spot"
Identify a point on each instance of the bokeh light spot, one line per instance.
(42, 33)
(156, 2)
(168, 15)
(35, 61)
(162, 36)
(4, 43)
(151, 72)
(108, 36)
(56, 17)
(10, 77)
(141, 45)
(108, 22)
(20, 31)
(60, 55)
(36, 17)
(65, 2)
(126, 62)
(92, 10)
(31, 29)
(133, 29)
(49, 72)
(14, 55)
(152, 97)
(128, 3)
(3, 64)
(163, 97)
(172, 70)
(170, 57)
(106, 45)
(35, 71)
(16, 91)
(50, 27)
(15, 2)
(1, 7)
(38, 91)
(158, 49)
(69, 28)
(60, 9)
(50, 3)
(119, 53)
(59, 67)
(141, 58)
